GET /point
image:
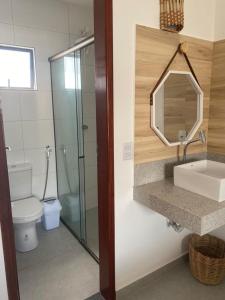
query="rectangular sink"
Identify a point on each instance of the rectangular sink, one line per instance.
(204, 177)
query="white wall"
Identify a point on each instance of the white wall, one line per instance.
(143, 242)
(219, 30)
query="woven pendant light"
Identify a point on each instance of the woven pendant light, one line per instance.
(172, 15)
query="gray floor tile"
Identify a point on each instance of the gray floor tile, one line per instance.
(58, 269)
(95, 297)
(176, 283)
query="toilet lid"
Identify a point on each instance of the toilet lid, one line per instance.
(27, 209)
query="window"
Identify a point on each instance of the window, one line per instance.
(17, 68)
(72, 72)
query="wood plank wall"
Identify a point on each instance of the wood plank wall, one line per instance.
(216, 140)
(154, 49)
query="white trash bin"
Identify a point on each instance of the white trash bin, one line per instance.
(51, 215)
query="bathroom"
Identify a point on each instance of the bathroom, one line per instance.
(142, 226)
(148, 212)
(50, 138)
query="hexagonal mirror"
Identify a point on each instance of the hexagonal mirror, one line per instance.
(177, 108)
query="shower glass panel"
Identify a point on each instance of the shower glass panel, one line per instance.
(66, 140)
(90, 147)
(76, 144)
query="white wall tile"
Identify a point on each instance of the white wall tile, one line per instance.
(46, 43)
(15, 156)
(88, 79)
(73, 38)
(89, 105)
(36, 105)
(44, 25)
(88, 56)
(10, 105)
(30, 37)
(5, 11)
(52, 185)
(6, 34)
(90, 149)
(38, 183)
(91, 198)
(56, 42)
(49, 15)
(63, 184)
(90, 133)
(13, 135)
(38, 134)
(43, 76)
(80, 18)
(37, 157)
(90, 177)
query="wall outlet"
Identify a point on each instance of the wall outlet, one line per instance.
(128, 151)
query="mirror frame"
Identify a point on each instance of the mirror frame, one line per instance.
(197, 124)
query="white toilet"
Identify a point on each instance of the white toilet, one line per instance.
(26, 209)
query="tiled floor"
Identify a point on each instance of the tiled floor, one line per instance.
(174, 283)
(58, 269)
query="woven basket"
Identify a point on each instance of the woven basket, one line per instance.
(207, 259)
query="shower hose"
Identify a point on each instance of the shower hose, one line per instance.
(48, 153)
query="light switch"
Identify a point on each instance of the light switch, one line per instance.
(128, 151)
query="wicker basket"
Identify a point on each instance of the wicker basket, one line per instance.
(207, 259)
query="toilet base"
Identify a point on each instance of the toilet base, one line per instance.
(25, 236)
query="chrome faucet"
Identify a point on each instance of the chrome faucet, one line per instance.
(201, 138)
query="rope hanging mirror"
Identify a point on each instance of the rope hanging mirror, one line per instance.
(181, 49)
(172, 15)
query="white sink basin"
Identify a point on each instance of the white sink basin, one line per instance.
(204, 177)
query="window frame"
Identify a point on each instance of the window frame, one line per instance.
(33, 78)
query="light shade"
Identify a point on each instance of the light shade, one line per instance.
(172, 15)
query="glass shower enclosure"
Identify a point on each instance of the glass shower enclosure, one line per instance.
(72, 75)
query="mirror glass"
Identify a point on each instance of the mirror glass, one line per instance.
(177, 108)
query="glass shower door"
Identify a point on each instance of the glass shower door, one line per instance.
(74, 106)
(65, 84)
(90, 147)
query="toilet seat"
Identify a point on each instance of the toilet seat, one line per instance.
(26, 210)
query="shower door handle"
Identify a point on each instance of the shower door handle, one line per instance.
(81, 157)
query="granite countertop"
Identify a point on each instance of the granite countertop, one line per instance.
(194, 212)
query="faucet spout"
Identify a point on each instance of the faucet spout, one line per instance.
(201, 138)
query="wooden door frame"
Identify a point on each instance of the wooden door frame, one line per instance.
(104, 110)
(103, 12)
(6, 223)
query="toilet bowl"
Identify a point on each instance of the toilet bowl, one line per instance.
(26, 209)
(25, 213)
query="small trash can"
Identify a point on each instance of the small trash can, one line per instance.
(207, 259)
(51, 215)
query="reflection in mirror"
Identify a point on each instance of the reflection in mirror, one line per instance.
(177, 108)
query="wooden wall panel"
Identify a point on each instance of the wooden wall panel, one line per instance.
(154, 49)
(216, 141)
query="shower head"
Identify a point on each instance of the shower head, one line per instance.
(202, 136)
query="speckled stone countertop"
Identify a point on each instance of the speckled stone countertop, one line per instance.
(194, 212)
